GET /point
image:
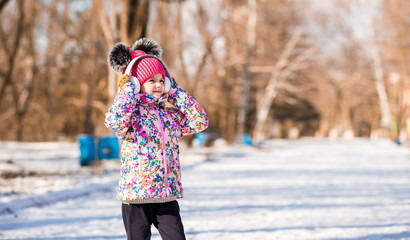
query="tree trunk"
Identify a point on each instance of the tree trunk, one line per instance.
(88, 108)
(3, 3)
(378, 75)
(108, 25)
(251, 41)
(134, 20)
(12, 55)
(271, 89)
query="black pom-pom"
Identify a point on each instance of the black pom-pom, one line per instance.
(149, 46)
(119, 57)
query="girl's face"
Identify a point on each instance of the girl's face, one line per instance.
(154, 86)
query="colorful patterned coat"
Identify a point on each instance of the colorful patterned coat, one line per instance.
(149, 132)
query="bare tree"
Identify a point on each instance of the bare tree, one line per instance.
(379, 76)
(134, 17)
(134, 20)
(270, 92)
(10, 50)
(346, 80)
(22, 71)
(395, 52)
(250, 47)
(108, 25)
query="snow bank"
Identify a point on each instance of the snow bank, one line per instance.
(45, 173)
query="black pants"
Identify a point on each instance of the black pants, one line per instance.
(138, 219)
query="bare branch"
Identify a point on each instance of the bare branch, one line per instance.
(5, 50)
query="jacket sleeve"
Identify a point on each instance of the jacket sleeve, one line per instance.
(195, 118)
(118, 116)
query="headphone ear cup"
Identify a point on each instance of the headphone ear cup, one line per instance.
(136, 83)
(167, 84)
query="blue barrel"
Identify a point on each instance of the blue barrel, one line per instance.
(201, 137)
(87, 149)
(108, 148)
(246, 139)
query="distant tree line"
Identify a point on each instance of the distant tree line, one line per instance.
(277, 68)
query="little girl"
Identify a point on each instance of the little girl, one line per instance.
(149, 114)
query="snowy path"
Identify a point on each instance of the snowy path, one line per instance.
(307, 189)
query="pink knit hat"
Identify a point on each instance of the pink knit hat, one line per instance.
(145, 68)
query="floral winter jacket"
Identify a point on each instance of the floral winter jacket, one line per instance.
(149, 132)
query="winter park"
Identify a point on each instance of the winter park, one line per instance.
(302, 189)
(219, 119)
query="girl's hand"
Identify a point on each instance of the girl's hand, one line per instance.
(174, 83)
(174, 86)
(126, 79)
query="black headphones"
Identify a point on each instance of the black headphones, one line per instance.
(134, 80)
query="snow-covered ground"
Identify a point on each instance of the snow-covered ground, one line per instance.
(304, 189)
